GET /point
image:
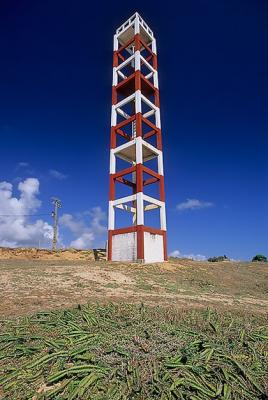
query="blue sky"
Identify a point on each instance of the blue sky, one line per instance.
(55, 97)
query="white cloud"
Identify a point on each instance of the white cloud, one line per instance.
(23, 164)
(16, 227)
(175, 253)
(98, 216)
(76, 226)
(178, 254)
(193, 204)
(19, 228)
(85, 232)
(57, 174)
(84, 241)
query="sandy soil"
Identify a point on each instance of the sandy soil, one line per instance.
(31, 285)
(33, 253)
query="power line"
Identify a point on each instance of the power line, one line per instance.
(23, 215)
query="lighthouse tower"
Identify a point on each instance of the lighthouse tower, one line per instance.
(137, 215)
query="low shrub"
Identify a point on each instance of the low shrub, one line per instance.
(259, 258)
(219, 258)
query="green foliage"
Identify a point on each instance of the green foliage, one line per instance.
(260, 258)
(219, 258)
(121, 352)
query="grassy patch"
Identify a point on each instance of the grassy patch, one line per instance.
(145, 287)
(112, 285)
(134, 352)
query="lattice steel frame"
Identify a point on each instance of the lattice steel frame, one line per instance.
(135, 51)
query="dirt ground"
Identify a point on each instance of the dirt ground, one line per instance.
(32, 253)
(30, 285)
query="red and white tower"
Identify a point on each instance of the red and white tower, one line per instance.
(136, 159)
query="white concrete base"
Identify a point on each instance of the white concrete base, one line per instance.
(124, 248)
(153, 248)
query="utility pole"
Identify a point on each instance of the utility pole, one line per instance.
(54, 214)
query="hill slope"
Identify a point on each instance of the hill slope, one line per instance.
(33, 285)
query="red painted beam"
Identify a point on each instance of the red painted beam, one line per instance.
(151, 172)
(129, 229)
(145, 45)
(126, 45)
(120, 56)
(125, 122)
(123, 172)
(154, 231)
(139, 178)
(149, 123)
(149, 134)
(111, 188)
(150, 181)
(125, 81)
(140, 242)
(148, 83)
(110, 241)
(125, 182)
(120, 231)
(123, 134)
(165, 245)
(162, 189)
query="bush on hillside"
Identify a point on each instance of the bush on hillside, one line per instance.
(259, 258)
(217, 259)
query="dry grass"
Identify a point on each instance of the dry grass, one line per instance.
(37, 285)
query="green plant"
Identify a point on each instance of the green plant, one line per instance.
(260, 258)
(120, 352)
(219, 258)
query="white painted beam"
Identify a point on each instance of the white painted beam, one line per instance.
(111, 216)
(123, 200)
(140, 209)
(149, 207)
(123, 113)
(126, 208)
